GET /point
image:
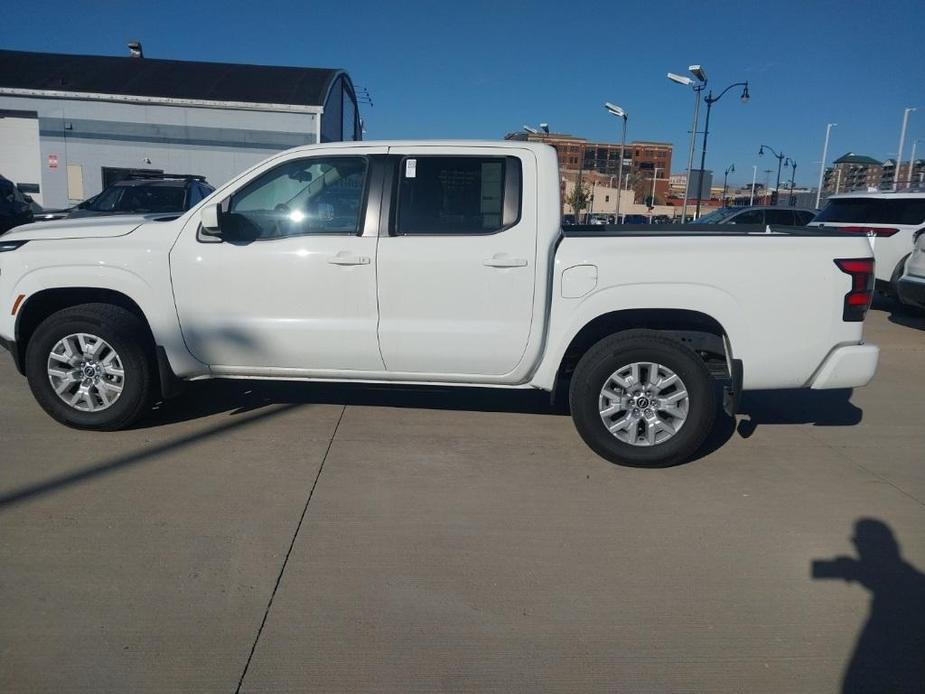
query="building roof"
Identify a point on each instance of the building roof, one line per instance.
(852, 158)
(169, 79)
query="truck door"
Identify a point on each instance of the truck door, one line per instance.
(291, 282)
(456, 271)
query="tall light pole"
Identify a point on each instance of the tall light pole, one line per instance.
(825, 154)
(902, 141)
(655, 171)
(730, 169)
(697, 87)
(911, 164)
(710, 100)
(615, 110)
(780, 160)
(793, 163)
(751, 198)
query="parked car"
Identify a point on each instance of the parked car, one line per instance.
(891, 218)
(635, 219)
(149, 193)
(432, 263)
(911, 285)
(759, 214)
(14, 207)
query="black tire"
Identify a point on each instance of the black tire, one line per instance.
(621, 349)
(127, 335)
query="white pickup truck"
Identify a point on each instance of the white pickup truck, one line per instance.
(433, 263)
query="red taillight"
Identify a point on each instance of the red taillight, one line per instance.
(869, 231)
(857, 301)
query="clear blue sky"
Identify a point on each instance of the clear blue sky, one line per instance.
(480, 69)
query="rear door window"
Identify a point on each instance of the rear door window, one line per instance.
(457, 195)
(874, 211)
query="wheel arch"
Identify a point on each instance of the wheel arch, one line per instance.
(40, 305)
(703, 333)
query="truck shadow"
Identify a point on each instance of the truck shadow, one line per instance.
(759, 408)
(899, 314)
(821, 408)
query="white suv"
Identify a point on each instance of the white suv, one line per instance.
(891, 218)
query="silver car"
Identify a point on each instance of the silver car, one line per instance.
(911, 285)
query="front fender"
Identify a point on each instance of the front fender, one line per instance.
(156, 303)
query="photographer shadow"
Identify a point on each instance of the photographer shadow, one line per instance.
(890, 652)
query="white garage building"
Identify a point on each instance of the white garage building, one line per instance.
(72, 124)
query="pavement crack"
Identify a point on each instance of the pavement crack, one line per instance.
(282, 568)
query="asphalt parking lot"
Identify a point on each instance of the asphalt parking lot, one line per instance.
(278, 537)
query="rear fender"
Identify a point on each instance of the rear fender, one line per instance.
(569, 316)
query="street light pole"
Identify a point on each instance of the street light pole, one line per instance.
(911, 164)
(825, 154)
(710, 100)
(698, 90)
(730, 169)
(654, 179)
(793, 175)
(902, 141)
(780, 160)
(751, 198)
(615, 110)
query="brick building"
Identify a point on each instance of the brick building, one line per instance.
(600, 161)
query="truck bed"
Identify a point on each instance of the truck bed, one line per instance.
(591, 230)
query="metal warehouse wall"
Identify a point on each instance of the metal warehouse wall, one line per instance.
(214, 142)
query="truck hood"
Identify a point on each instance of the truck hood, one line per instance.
(86, 228)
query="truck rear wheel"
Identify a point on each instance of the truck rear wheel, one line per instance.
(642, 399)
(90, 366)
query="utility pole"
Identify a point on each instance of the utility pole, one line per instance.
(751, 198)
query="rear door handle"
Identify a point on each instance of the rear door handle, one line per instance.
(344, 258)
(501, 260)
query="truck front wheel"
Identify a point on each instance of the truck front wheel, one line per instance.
(90, 366)
(643, 399)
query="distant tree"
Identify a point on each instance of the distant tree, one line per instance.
(578, 199)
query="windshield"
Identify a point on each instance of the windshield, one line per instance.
(139, 199)
(874, 211)
(718, 216)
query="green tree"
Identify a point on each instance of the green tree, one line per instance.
(578, 199)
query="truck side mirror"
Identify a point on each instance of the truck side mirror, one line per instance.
(208, 219)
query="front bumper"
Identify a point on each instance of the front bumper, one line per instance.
(850, 366)
(911, 290)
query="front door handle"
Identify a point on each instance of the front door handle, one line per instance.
(502, 260)
(345, 258)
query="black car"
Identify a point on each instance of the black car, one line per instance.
(759, 214)
(146, 194)
(14, 207)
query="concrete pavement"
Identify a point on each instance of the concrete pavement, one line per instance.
(279, 537)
